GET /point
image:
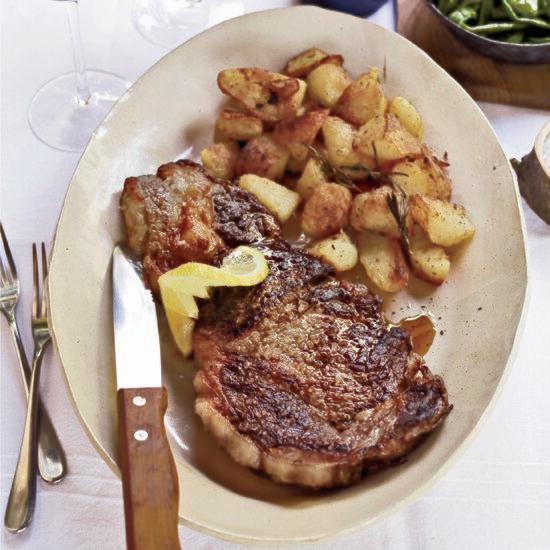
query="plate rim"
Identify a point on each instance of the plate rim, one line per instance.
(458, 451)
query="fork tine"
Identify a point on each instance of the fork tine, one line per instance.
(7, 250)
(44, 275)
(3, 277)
(35, 298)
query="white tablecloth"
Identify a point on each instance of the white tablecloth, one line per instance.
(496, 497)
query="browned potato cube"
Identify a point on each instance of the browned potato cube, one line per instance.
(271, 96)
(295, 134)
(395, 142)
(383, 260)
(263, 156)
(370, 132)
(279, 200)
(362, 100)
(424, 175)
(445, 223)
(405, 111)
(327, 210)
(337, 250)
(370, 212)
(232, 125)
(326, 83)
(429, 261)
(220, 159)
(339, 138)
(302, 64)
(312, 176)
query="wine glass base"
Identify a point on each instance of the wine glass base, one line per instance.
(60, 121)
(168, 23)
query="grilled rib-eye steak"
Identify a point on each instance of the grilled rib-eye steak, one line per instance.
(300, 376)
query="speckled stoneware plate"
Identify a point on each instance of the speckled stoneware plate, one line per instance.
(170, 112)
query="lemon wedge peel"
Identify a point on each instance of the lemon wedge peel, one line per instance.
(244, 266)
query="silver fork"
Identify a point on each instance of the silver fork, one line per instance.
(51, 458)
(23, 490)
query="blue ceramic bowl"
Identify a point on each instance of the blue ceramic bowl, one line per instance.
(355, 7)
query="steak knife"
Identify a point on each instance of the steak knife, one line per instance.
(149, 477)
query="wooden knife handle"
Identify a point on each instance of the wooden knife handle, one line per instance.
(149, 477)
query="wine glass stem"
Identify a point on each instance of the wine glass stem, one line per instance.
(83, 94)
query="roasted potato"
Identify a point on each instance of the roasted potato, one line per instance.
(445, 223)
(337, 250)
(268, 95)
(302, 64)
(362, 100)
(327, 210)
(312, 176)
(407, 114)
(295, 134)
(365, 138)
(383, 260)
(423, 175)
(263, 156)
(370, 212)
(339, 138)
(279, 200)
(326, 83)
(385, 140)
(220, 159)
(233, 125)
(397, 141)
(429, 261)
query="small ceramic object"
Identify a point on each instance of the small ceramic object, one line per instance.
(534, 175)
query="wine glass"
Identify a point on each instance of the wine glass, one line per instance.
(168, 23)
(66, 110)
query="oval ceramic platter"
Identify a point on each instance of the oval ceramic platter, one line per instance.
(170, 113)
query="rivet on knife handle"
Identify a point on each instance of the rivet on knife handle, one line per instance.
(149, 477)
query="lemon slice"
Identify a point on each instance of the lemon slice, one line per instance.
(244, 266)
(181, 328)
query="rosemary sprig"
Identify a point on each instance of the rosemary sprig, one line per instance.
(398, 205)
(332, 173)
(340, 176)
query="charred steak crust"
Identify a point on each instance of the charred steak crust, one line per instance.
(305, 368)
(183, 214)
(300, 376)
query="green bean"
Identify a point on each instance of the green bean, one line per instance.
(534, 21)
(525, 8)
(514, 38)
(485, 11)
(447, 6)
(495, 28)
(513, 21)
(544, 8)
(462, 15)
(498, 13)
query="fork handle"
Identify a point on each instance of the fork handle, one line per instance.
(52, 464)
(22, 497)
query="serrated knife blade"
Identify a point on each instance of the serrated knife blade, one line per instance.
(137, 347)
